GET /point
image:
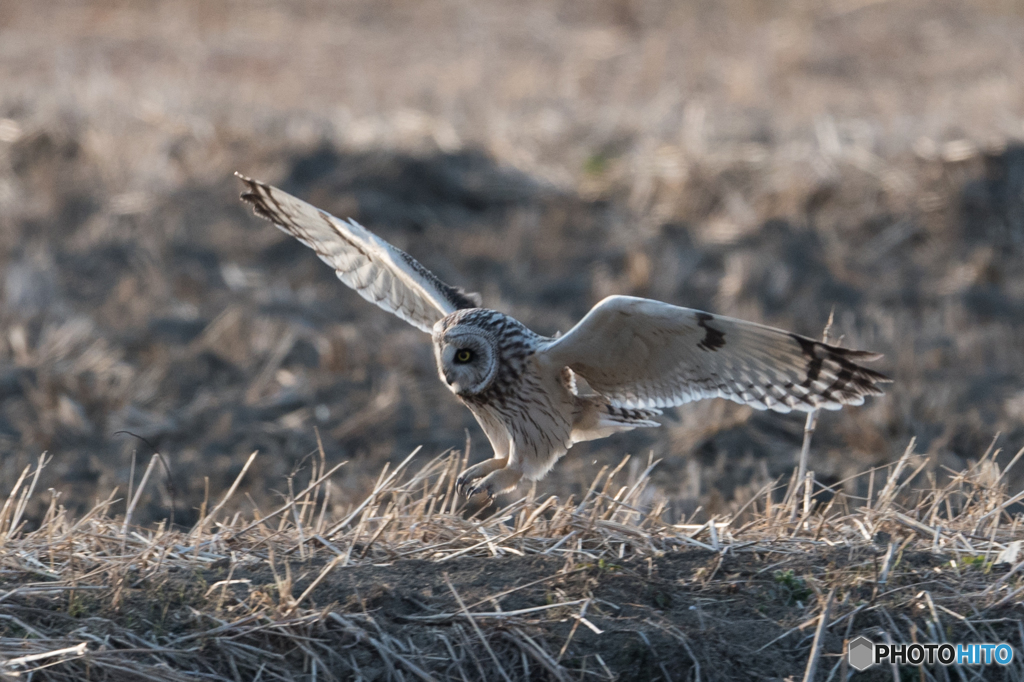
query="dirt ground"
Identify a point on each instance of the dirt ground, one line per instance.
(743, 615)
(692, 614)
(767, 162)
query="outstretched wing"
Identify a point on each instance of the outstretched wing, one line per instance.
(647, 354)
(378, 271)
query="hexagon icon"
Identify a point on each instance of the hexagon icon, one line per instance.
(862, 653)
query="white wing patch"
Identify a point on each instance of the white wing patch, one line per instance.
(377, 271)
(646, 354)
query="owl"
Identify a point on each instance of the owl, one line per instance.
(616, 370)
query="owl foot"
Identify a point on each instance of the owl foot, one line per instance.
(465, 488)
(482, 489)
(477, 471)
(496, 483)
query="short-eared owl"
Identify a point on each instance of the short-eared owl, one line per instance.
(635, 355)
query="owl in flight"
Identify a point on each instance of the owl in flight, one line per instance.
(636, 355)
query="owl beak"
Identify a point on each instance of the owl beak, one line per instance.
(456, 388)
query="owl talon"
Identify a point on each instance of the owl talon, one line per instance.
(464, 483)
(464, 487)
(485, 489)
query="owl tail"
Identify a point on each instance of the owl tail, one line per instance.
(594, 417)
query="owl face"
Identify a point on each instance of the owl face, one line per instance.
(466, 359)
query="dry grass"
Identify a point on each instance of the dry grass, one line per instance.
(543, 588)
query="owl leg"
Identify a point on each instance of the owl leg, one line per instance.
(497, 482)
(478, 471)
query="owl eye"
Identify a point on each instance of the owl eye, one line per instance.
(463, 355)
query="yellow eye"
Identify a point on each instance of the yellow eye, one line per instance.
(463, 356)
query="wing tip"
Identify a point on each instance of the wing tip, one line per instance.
(253, 185)
(865, 380)
(256, 196)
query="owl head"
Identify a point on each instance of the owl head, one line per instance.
(467, 358)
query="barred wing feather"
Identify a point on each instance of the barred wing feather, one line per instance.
(378, 271)
(641, 353)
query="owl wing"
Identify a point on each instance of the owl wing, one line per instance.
(647, 354)
(378, 271)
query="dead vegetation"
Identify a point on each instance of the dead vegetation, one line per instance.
(406, 585)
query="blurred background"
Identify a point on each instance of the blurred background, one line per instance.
(770, 161)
